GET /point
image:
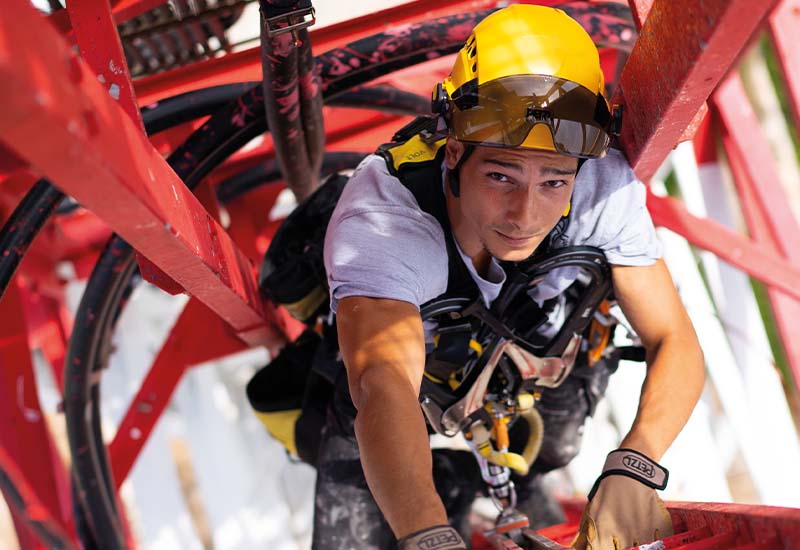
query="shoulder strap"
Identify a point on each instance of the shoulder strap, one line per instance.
(417, 163)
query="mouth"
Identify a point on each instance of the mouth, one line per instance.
(515, 242)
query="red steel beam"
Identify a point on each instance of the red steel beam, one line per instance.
(763, 200)
(736, 249)
(747, 142)
(684, 49)
(61, 120)
(100, 46)
(639, 10)
(179, 352)
(24, 431)
(27, 507)
(783, 25)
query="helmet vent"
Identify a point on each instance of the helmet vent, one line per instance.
(473, 51)
(474, 67)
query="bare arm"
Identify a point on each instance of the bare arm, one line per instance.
(675, 366)
(383, 347)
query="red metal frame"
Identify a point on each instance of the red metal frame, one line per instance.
(729, 245)
(699, 526)
(683, 51)
(765, 205)
(59, 119)
(142, 198)
(101, 48)
(179, 352)
(783, 25)
(23, 427)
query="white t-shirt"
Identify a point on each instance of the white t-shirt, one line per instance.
(380, 244)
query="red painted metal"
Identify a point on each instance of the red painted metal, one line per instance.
(640, 10)
(783, 25)
(48, 322)
(100, 46)
(23, 427)
(748, 143)
(729, 245)
(684, 49)
(180, 351)
(764, 201)
(88, 139)
(96, 34)
(26, 506)
(748, 523)
(699, 526)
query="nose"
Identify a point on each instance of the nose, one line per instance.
(522, 208)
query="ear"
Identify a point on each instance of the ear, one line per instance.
(452, 153)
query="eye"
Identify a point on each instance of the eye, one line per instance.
(555, 184)
(497, 176)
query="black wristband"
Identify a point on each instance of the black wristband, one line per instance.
(635, 465)
(441, 537)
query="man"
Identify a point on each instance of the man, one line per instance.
(525, 111)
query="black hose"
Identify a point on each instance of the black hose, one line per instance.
(268, 171)
(292, 96)
(386, 99)
(181, 108)
(23, 226)
(236, 124)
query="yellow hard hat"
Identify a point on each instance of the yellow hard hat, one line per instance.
(528, 76)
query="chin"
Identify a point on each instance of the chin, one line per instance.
(505, 254)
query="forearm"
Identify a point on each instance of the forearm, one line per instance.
(675, 378)
(395, 453)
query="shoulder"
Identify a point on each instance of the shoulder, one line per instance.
(372, 186)
(606, 183)
(380, 243)
(610, 212)
(603, 176)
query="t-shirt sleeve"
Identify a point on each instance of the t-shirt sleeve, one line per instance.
(379, 244)
(619, 220)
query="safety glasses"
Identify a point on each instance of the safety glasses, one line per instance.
(503, 112)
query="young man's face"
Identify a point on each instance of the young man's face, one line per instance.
(510, 199)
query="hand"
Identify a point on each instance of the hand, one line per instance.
(442, 537)
(624, 509)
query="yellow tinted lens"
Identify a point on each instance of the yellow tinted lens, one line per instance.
(503, 111)
(576, 138)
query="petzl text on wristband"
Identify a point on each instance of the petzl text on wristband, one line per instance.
(633, 464)
(442, 537)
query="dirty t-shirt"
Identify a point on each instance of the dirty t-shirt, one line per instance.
(380, 244)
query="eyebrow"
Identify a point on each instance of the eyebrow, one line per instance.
(544, 171)
(553, 171)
